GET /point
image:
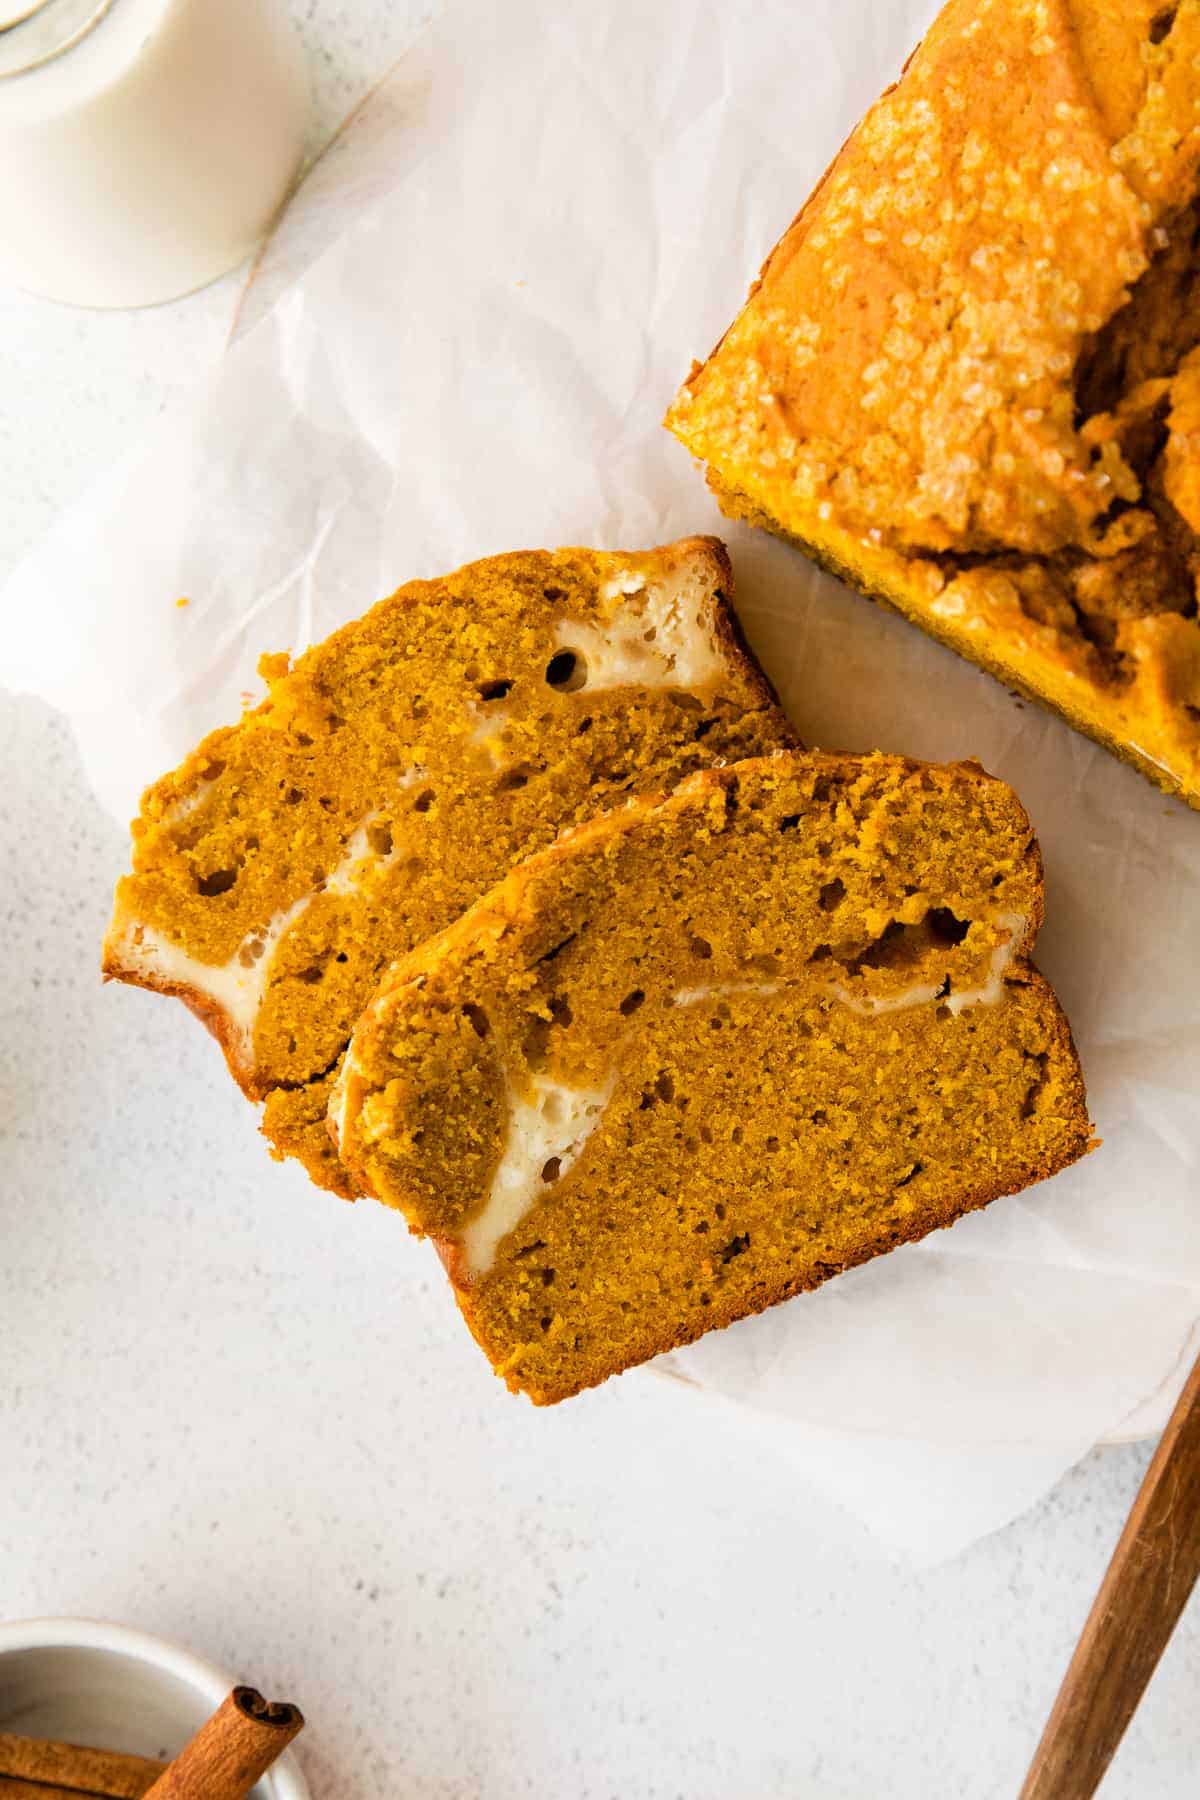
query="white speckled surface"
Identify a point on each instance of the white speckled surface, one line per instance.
(237, 1413)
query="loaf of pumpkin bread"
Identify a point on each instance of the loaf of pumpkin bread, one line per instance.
(967, 379)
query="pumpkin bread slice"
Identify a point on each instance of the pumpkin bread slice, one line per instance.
(397, 771)
(707, 1052)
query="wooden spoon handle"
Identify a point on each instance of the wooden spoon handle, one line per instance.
(1146, 1586)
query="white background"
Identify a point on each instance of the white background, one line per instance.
(237, 1413)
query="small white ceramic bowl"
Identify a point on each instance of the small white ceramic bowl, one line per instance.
(84, 1682)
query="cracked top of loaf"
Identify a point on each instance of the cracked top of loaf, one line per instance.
(397, 770)
(967, 376)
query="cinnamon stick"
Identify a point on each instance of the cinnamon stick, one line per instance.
(70, 1768)
(229, 1754)
(15, 1789)
(11, 1788)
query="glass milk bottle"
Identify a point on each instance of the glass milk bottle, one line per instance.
(145, 145)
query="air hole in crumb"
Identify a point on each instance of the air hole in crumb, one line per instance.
(700, 947)
(736, 1247)
(379, 837)
(664, 1087)
(514, 778)
(424, 800)
(558, 948)
(1029, 1105)
(561, 1012)
(536, 1038)
(584, 725)
(896, 947)
(545, 1321)
(554, 593)
(218, 883)
(552, 1169)
(566, 672)
(771, 1145)
(530, 1249)
(632, 1001)
(494, 690)
(719, 1209)
(832, 895)
(789, 822)
(767, 965)
(703, 728)
(311, 976)
(1161, 24)
(478, 1019)
(911, 1176)
(819, 1116)
(294, 796)
(945, 926)
(341, 957)
(302, 737)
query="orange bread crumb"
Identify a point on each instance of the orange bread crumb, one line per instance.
(704, 1053)
(397, 771)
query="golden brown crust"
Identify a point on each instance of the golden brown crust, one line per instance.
(1014, 655)
(214, 1018)
(965, 378)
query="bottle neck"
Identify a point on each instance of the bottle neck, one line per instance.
(35, 32)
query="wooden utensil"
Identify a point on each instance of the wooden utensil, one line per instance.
(1152, 1572)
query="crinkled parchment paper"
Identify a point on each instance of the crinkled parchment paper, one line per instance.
(566, 206)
